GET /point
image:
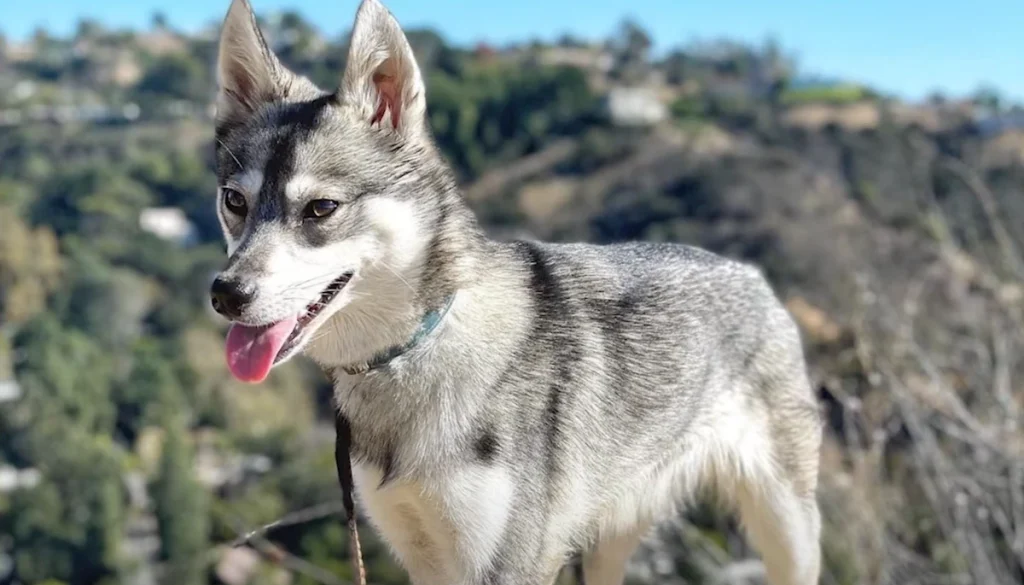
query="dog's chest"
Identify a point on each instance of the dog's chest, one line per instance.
(445, 527)
(422, 477)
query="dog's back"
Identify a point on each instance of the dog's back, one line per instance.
(650, 370)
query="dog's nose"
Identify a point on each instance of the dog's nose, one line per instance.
(229, 298)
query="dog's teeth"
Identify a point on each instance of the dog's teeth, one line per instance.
(328, 294)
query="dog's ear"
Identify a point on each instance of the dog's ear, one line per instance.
(382, 79)
(248, 72)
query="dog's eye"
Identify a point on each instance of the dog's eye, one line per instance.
(319, 208)
(235, 202)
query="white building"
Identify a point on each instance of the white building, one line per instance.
(168, 223)
(635, 106)
(10, 391)
(12, 478)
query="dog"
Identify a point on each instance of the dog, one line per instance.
(513, 404)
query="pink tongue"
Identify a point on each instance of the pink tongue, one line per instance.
(251, 350)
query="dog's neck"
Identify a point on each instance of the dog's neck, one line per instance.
(390, 304)
(428, 323)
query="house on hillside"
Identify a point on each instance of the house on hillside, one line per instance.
(635, 106)
(12, 478)
(590, 58)
(121, 68)
(168, 223)
(10, 390)
(161, 42)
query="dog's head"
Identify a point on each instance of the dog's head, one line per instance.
(319, 191)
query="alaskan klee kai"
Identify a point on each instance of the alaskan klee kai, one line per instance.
(512, 404)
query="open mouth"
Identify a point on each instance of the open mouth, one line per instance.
(253, 350)
(312, 311)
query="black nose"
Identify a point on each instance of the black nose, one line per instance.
(229, 298)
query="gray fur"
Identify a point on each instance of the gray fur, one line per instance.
(573, 395)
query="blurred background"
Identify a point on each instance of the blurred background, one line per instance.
(868, 155)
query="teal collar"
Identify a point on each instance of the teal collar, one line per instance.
(429, 322)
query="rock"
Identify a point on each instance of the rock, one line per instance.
(237, 565)
(814, 321)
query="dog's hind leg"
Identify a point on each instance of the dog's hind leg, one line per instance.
(779, 509)
(606, 563)
(784, 527)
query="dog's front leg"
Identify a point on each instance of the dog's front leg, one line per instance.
(450, 529)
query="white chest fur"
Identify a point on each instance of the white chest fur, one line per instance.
(443, 530)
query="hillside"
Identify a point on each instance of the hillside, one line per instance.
(893, 231)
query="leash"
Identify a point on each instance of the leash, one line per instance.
(343, 462)
(343, 430)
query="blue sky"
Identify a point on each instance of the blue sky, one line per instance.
(908, 47)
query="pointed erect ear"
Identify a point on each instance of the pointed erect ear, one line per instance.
(249, 74)
(382, 79)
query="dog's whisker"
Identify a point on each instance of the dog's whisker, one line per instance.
(384, 264)
(237, 162)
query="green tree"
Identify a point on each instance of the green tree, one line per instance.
(68, 527)
(159, 20)
(297, 38)
(93, 200)
(631, 51)
(66, 377)
(88, 29)
(175, 76)
(989, 98)
(678, 67)
(494, 114)
(30, 267)
(151, 393)
(182, 511)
